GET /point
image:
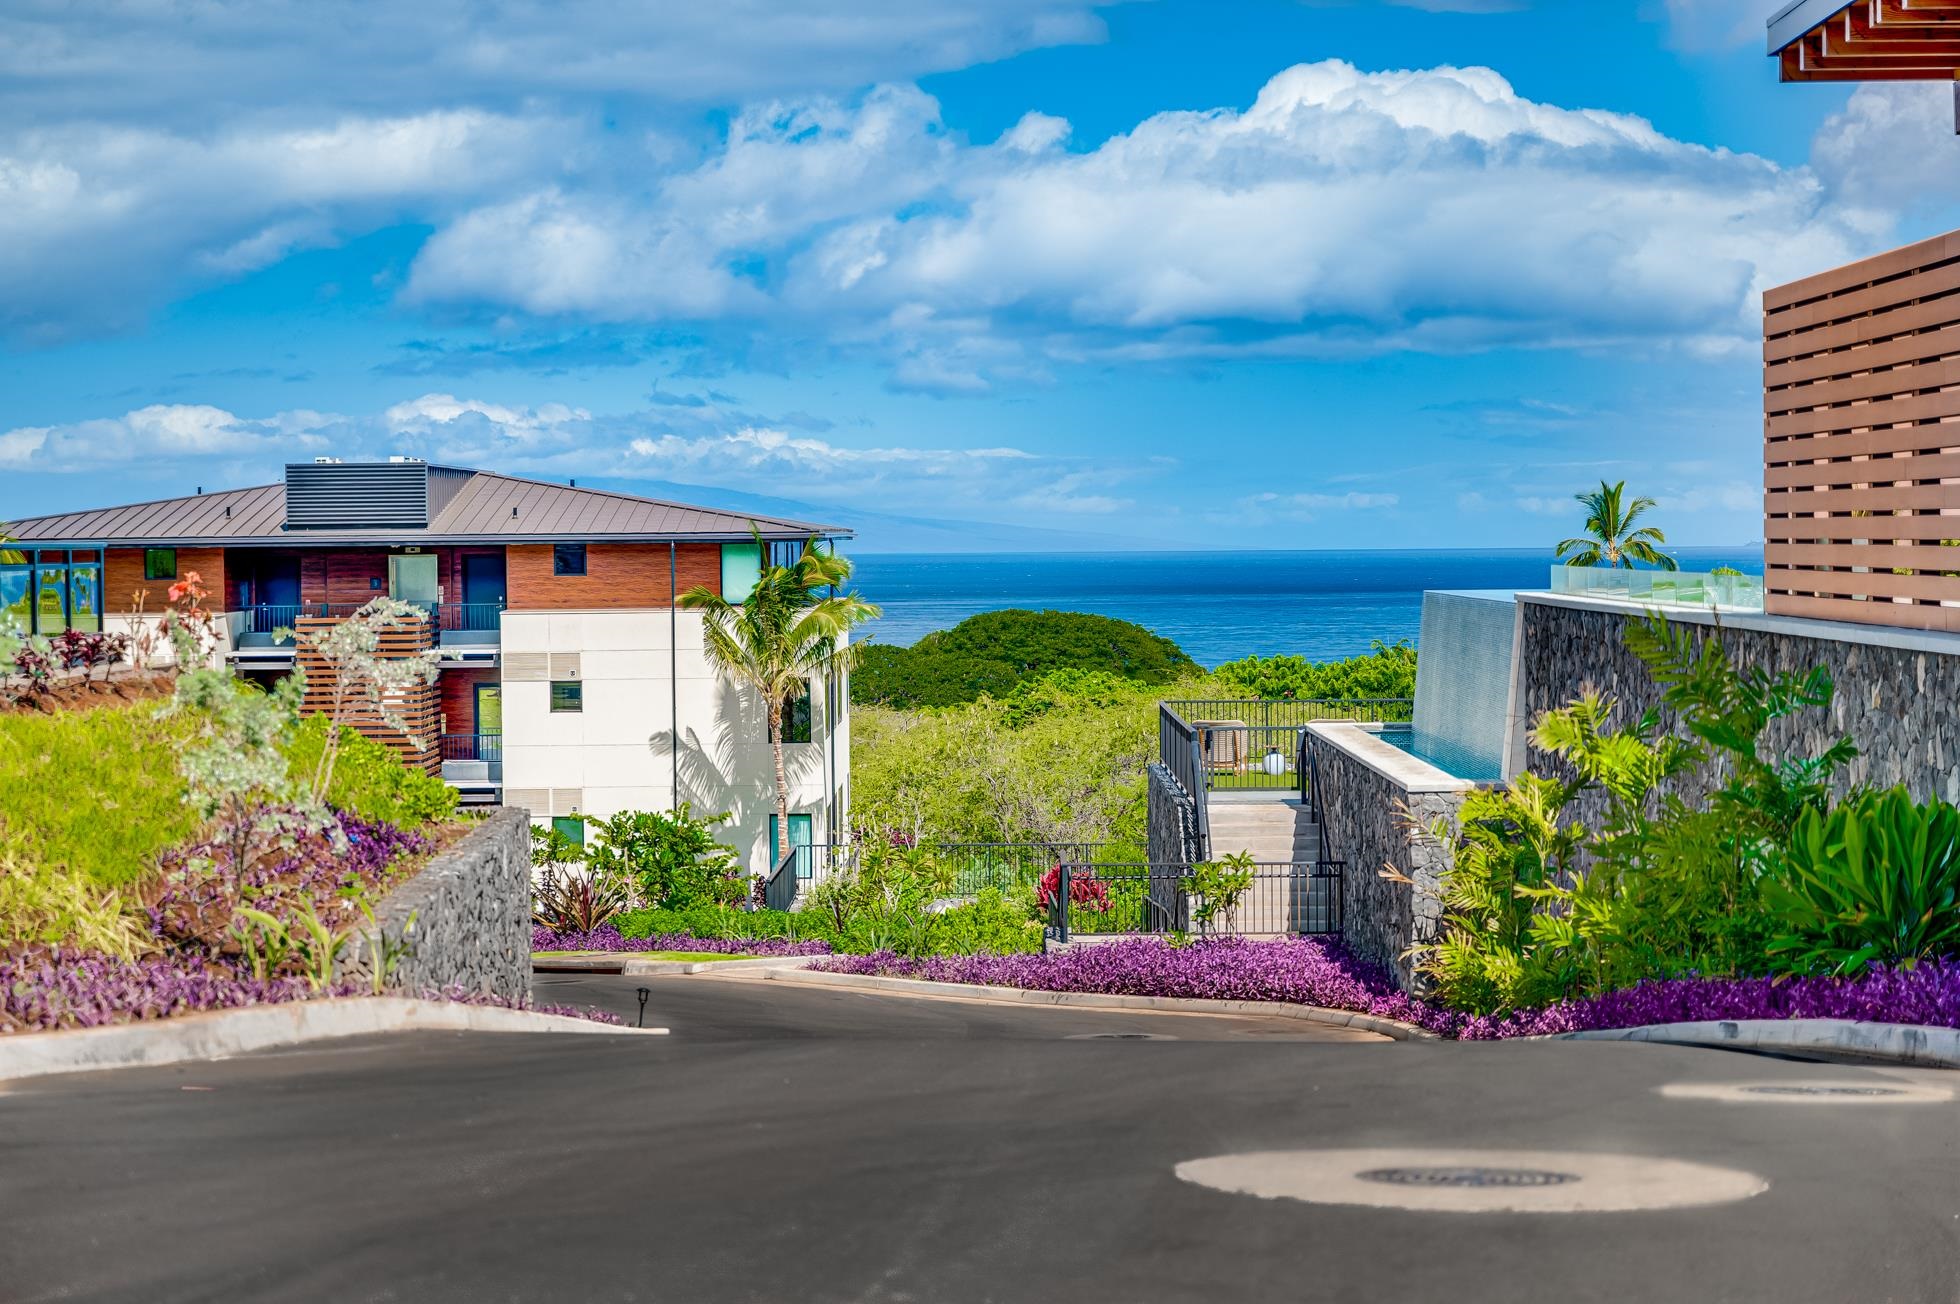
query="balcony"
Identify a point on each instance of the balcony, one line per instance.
(473, 762)
(471, 628)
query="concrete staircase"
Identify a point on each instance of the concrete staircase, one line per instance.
(1275, 832)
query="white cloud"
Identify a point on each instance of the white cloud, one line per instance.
(1892, 147)
(148, 61)
(1260, 508)
(161, 434)
(97, 224)
(1342, 212)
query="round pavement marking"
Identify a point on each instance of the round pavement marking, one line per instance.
(1473, 1181)
(1867, 1091)
(1119, 1036)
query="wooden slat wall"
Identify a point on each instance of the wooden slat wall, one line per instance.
(122, 578)
(1861, 441)
(419, 707)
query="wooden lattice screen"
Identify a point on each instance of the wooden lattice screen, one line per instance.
(419, 707)
(1861, 441)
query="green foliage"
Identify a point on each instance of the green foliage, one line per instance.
(993, 921)
(360, 679)
(550, 846)
(57, 906)
(1389, 670)
(568, 901)
(234, 765)
(992, 653)
(1875, 881)
(1611, 537)
(671, 858)
(369, 778)
(1539, 908)
(1061, 762)
(96, 790)
(1216, 886)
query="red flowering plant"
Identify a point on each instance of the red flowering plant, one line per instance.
(1084, 889)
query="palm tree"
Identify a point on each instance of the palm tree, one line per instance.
(1610, 538)
(789, 629)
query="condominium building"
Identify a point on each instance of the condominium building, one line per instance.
(572, 682)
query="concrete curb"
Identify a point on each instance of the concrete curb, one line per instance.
(1390, 1028)
(1896, 1043)
(623, 962)
(220, 1034)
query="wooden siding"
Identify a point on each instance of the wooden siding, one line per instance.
(1861, 441)
(346, 576)
(122, 578)
(617, 575)
(417, 706)
(457, 696)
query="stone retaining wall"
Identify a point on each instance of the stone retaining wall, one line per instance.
(1172, 819)
(465, 920)
(1895, 700)
(1373, 821)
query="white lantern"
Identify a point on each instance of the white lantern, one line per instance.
(1275, 764)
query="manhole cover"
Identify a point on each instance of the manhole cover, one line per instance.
(1120, 1036)
(1472, 1181)
(1824, 1091)
(1472, 1177)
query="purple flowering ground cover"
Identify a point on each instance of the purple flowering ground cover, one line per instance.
(606, 938)
(1308, 972)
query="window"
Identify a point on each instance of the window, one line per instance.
(785, 552)
(48, 590)
(741, 568)
(571, 827)
(568, 559)
(567, 695)
(159, 563)
(796, 717)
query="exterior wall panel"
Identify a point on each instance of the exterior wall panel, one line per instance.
(122, 578)
(1861, 441)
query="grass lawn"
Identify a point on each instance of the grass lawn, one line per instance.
(638, 955)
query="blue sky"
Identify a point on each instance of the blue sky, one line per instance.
(990, 273)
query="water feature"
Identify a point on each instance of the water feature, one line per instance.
(1463, 683)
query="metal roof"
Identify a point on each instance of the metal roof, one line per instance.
(483, 507)
(1866, 40)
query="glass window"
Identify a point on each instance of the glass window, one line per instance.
(796, 717)
(15, 581)
(800, 831)
(85, 598)
(50, 598)
(568, 559)
(741, 568)
(571, 826)
(159, 563)
(567, 695)
(785, 552)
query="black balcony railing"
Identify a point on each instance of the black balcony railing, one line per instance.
(469, 615)
(1275, 899)
(1255, 744)
(473, 747)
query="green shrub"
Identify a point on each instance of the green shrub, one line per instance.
(993, 652)
(671, 858)
(728, 922)
(56, 906)
(96, 790)
(369, 779)
(1875, 881)
(1389, 670)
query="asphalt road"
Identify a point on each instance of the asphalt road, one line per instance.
(806, 1144)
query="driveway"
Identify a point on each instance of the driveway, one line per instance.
(796, 1143)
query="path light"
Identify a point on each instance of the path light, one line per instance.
(644, 993)
(1274, 764)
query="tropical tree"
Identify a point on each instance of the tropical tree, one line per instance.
(1611, 538)
(790, 629)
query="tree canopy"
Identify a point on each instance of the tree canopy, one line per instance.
(993, 653)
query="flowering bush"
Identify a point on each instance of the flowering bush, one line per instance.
(1084, 889)
(607, 938)
(1310, 972)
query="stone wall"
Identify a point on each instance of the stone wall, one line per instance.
(1172, 819)
(465, 919)
(1375, 821)
(1895, 691)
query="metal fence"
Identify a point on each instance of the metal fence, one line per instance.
(1254, 744)
(1181, 750)
(969, 867)
(1300, 899)
(473, 616)
(473, 747)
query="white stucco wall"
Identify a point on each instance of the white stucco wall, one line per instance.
(619, 752)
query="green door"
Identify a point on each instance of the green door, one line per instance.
(799, 844)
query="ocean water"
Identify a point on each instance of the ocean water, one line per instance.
(1217, 606)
